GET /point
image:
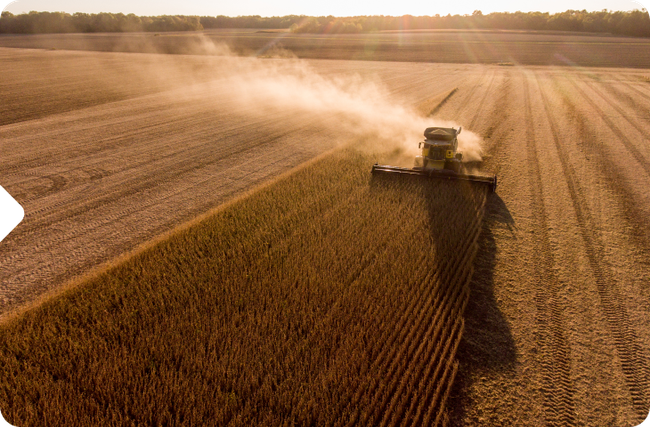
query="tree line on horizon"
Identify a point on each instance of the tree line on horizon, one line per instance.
(61, 22)
(633, 23)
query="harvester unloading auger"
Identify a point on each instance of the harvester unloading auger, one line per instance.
(439, 159)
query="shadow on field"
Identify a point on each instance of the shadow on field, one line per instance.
(450, 207)
(487, 343)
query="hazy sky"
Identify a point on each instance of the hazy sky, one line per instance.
(313, 8)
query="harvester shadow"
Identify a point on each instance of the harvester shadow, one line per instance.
(486, 344)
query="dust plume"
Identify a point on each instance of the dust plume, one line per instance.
(351, 106)
(360, 107)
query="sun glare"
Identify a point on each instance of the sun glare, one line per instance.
(293, 7)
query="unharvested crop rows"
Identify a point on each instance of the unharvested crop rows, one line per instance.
(394, 362)
(266, 313)
(189, 172)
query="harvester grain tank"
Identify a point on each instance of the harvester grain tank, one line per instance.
(440, 159)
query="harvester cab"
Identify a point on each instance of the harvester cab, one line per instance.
(440, 150)
(439, 159)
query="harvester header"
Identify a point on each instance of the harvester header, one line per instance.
(439, 159)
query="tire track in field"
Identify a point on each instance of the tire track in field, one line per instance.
(500, 114)
(558, 389)
(83, 206)
(614, 180)
(629, 145)
(193, 158)
(110, 140)
(635, 89)
(622, 113)
(492, 152)
(481, 103)
(465, 104)
(633, 361)
(626, 98)
(151, 118)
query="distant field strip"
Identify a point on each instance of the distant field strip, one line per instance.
(327, 298)
(488, 47)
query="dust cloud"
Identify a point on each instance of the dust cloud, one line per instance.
(360, 109)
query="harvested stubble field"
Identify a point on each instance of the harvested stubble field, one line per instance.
(555, 330)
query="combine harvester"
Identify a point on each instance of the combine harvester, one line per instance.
(440, 159)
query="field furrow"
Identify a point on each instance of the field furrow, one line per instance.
(633, 361)
(478, 108)
(636, 152)
(557, 388)
(467, 104)
(635, 107)
(641, 90)
(613, 175)
(582, 224)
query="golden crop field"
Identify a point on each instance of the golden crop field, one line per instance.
(307, 291)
